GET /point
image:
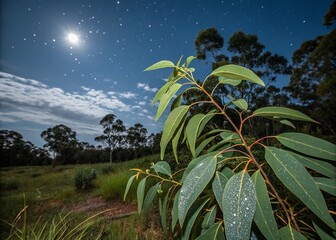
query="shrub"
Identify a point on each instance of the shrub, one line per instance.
(235, 177)
(84, 179)
(106, 169)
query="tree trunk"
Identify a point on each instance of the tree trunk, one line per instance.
(111, 151)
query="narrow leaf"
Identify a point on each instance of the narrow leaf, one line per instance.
(264, 216)
(288, 123)
(161, 91)
(191, 218)
(209, 218)
(176, 138)
(218, 186)
(203, 145)
(205, 120)
(161, 64)
(238, 73)
(162, 167)
(289, 233)
(319, 166)
(163, 211)
(323, 234)
(173, 121)
(141, 193)
(326, 184)
(150, 197)
(189, 59)
(240, 103)
(165, 99)
(239, 205)
(308, 145)
(194, 184)
(215, 232)
(296, 178)
(191, 131)
(177, 102)
(232, 82)
(128, 185)
(282, 112)
(175, 211)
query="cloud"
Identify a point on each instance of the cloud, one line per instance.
(127, 95)
(146, 87)
(142, 103)
(32, 101)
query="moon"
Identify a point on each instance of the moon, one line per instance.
(73, 38)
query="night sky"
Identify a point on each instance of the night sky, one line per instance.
(72, 62)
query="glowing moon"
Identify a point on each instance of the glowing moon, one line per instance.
(73, 38)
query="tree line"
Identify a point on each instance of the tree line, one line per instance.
(116, 143)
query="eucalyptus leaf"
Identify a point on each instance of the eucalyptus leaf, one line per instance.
(239, 205)
(296, 178)
(203, 144)
(308, 145)
(176, 138)
(289, 233)
(232, 82)
(264, 216)
(160, 64)
(161, 91)
(194, 184)
(165, 99)
(215, 232)
(240, 103)
(191, 131)
(209, 218)
(177, 102)
(326, 184)
(282, 112)
(319, 166)
(174, 211)
(189, 59)
(236, 72)
(141, 193)
(128, 185)
(162, 167)
(323, 234)
(173, 121)
(218, 186)
(150, 197)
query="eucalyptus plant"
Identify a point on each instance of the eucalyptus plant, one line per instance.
(226, 190)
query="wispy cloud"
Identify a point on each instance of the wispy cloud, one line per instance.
(146, 87)
(32, 101)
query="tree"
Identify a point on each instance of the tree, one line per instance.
(113, 133)
(208, 40)
(314, 76)
(136, 137)
(234, 185)
(58, 138)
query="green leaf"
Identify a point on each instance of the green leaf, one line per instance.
(282, 112)
(229, 136)
(287, 123)
(192, 129)
(150, 197)
(264, 216)
(177, 102)
(209, 218)
(203, 145)
(296, 178)
(165, 99)
(173, 121)
(194, 184)
(161, 91)
(289, 233)
(205, 120)
(218, 186)
(176, 138)
(236, 72)
(162, 167)
(222, 144)
(319, 166)
(215, 232)
(161, 64)
(308, 145)
(191, 218)
(240, 103)
(163, 211)
(175, 211)
(232, 82)
(322, 233)
(128, 185)
(141, 193)
(189, 59)
(326, 184)
(239, 205)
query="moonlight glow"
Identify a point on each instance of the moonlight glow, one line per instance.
(73, 38)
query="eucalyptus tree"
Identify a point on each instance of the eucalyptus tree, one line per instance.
(136, 137)
(113, 133)
(58, 138)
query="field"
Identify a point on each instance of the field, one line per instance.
(34, 196)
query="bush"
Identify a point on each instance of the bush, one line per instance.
(84, 179)
(106, 169)
(237, 183)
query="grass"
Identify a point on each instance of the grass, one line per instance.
(48, 190)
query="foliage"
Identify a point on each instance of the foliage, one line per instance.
(113, 135)
(229, 188)
(136, 137)
(84, 179)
